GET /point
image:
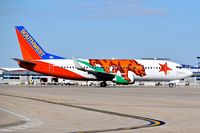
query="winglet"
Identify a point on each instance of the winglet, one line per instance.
(77, 65)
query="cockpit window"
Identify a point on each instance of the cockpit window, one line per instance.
(179, 67)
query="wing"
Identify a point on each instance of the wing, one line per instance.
(99, 75)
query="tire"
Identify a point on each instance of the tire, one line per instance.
(171, 85)
(103, 84)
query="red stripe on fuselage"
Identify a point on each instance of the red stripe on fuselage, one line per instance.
(51, 70)
(28, 52)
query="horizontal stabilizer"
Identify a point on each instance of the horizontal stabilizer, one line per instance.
(23, 61)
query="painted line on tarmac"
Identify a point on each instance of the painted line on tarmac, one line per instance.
(24, 123)
(152, 122)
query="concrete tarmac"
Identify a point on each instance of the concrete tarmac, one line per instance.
(54, 109)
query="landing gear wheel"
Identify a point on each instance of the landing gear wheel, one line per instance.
(103, 84)
(172, 85)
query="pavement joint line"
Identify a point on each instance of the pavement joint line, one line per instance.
(26, 122)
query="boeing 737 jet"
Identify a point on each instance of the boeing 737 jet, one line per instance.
(120, 71)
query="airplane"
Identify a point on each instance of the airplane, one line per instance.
(120, 71)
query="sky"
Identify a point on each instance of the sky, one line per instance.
(129, 29)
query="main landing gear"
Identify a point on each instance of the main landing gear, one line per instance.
(172, 84)
(103, 84)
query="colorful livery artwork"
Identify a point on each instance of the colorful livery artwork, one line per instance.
(123, 66)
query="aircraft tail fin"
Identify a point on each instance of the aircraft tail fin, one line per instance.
(30, 49)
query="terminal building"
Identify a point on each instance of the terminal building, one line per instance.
(19, 76)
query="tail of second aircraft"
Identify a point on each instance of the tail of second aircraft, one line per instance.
(30, 49)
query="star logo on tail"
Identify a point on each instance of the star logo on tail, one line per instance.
(164, 68)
